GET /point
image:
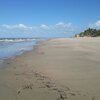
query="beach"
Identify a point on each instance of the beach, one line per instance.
(56, 69)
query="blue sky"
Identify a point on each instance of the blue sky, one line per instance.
(47, 18)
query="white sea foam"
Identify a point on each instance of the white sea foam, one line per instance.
(16, 40)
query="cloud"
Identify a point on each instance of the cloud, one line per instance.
(59, 28)
(95, 25)
(43, 26)
(63, 25)
(19, 26)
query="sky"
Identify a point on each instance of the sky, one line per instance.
(47, 18)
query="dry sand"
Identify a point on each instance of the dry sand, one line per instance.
(57, 69)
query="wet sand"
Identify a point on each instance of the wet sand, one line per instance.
(57, 69)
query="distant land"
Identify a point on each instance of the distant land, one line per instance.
(90, 32)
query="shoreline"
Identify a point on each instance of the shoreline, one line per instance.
(2, 60)
(56, 69)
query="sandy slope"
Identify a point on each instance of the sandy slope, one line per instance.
(58, 69)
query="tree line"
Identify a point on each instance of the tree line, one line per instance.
(90, 32)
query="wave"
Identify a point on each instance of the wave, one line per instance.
(16, 39)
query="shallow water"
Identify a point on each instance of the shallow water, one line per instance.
(10, 48)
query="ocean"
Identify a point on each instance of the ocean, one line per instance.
(10, 47)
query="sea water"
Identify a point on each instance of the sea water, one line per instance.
(12, 47)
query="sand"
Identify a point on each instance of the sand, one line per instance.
(57, 69)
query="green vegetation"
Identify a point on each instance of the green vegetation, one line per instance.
(89, 33)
